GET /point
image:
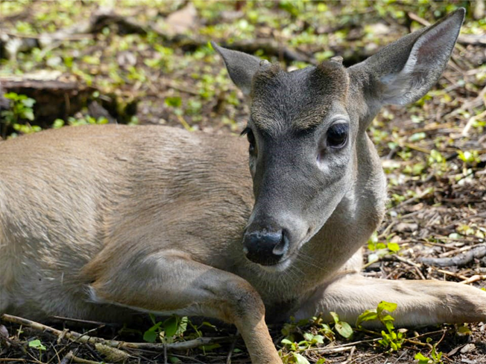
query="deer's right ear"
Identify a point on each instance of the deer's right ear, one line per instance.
(241, 66)
(404, 71)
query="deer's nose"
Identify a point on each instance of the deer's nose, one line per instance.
(265, 247)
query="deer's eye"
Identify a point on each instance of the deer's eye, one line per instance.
(337, 135)
(251, 139)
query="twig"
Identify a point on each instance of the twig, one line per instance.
(71, 357)
(456, 251)
(476, 102)
(418, 149)
(471, 121)
(418, 19)
(97, 323)
(414, 265)
(474, 278)
(182, 89)
(348, 360)
(230, 353)
(184, 123)
(77, 337)
(338, 349)
(447, 273)
(189, 358)
(458, 260)
(413, 199)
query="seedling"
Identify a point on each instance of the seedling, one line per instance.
(391, 339)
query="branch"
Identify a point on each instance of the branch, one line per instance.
(85, 339)
(458, 260)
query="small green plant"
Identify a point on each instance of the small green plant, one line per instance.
(469, 157)
(21, 110)
(166, 330)
(313, 333)
(391, 338)
(37, 344)
(435, 356)
(343, 328)
(88, 120)
(379, 249)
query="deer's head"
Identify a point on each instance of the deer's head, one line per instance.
(304, 126)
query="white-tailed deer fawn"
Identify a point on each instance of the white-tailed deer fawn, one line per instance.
(101, 222)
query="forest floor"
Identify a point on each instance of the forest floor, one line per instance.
(149, 62)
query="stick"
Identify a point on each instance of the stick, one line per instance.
(458, 260)
(476, 102)
(70, 357)
(475, 278)
(348, 361)
(81, 338)
(471, 121)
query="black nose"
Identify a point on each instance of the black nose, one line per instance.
(265, 247)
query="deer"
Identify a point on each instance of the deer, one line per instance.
(104, 222)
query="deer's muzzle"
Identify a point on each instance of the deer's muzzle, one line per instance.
(266, 247)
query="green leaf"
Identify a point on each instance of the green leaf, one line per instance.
(417, 136)
(463, 330)
(335, 317)
(308, 336)
(421, 358)
(28, 114)
(171, 325)
(368, 315)
(150, 336)
(389, 326)
(387, 317)
(11, 96)
(174, 101)
(286, 342)
(386, 306)
(36, 344)
(344, 329)
(393, 247)
(210, 347)
(28, 102)
(299, 359)
(182, 327)
(326, 328)
(58, 123)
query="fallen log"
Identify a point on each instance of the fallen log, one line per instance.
(56, 95)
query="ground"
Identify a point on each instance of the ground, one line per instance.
(149, 62)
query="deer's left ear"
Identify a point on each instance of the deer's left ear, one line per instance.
(404, 71)
(241, 66)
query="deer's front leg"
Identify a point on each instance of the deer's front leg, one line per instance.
(173, 283)
(420, 303)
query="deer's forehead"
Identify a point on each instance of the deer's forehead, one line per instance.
(299, 100)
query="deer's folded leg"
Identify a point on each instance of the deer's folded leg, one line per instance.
(419, 303)
(171, 283)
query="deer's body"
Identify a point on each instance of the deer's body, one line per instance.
(154, 219)
(107, 200)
